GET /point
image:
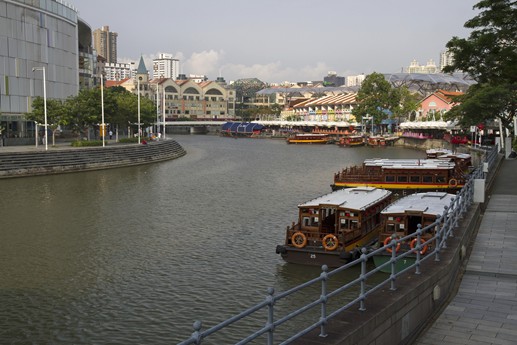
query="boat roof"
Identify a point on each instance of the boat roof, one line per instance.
(387, 163)
(430, 203)
(357, 198)
(311, 135)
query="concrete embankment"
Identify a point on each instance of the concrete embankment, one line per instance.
(31, 162)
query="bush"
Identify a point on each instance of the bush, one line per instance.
(85, 143)
(128, 140)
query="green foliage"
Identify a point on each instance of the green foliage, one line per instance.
(87, 143)
(133, 140)
(409, 103)
(489, 56)
(375, 96)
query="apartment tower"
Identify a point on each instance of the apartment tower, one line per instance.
(105, 43)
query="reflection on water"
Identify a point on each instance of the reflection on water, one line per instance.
(136, 255)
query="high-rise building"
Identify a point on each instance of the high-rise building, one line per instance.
(118, 71)
(105, 43)
(446, 59)
(165, 66)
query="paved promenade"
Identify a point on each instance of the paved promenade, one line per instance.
(484, 311)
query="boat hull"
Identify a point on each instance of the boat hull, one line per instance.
(316, 257)
(400, 187)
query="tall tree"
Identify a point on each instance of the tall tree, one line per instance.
(376, 98)
(57, 114)
(489, 56)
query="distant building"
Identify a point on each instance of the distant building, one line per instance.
(446, 59)
(118, 71)
(184, 97)
(165, 66)
(429, 68)
(436, 104)
(105, 43)
(332, 79)
(355, 80)
(197, 78)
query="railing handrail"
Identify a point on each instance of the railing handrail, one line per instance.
(443, 227)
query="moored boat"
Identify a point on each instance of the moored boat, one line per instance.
(332, 229)
(401, 219)
(351, 141)
(376, 140)
(309, 138)
(406, 175)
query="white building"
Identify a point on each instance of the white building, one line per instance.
(429, 68)
(355, 80)
(446, 59)
(119, 71)
(166, 67)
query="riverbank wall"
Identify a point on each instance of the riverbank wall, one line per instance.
(66, 159)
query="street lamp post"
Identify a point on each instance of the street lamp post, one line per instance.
(44, 102)
(103, 126)
(163, 111)
(138, 86)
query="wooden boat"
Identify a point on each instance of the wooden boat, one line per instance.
(376, 140)
(407, 175)
(309, 138)
(351, 141)
(332, 228)
(401, 218)
(435, 153)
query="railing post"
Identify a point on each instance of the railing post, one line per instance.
(439, 229)
(393, 245)
(418, 246)
(323, 298)
(363, 279)
(270, 317)
(196, 335)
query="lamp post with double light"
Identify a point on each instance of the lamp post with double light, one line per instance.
(138, 86)
(44, 102)
(103, 125)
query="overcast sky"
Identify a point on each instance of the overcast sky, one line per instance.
(281, 40)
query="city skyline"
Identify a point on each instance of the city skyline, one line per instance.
(278, 41)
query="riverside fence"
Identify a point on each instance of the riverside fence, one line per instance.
(359, 289)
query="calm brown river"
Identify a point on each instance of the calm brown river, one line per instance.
(136, 255)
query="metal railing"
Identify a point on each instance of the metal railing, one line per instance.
(441, 230)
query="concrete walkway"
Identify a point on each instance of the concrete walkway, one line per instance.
(484, 311)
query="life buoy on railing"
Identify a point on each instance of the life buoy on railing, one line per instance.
(387, 244)
(299, 239)
(453, 182)
(330, 242)
(412, 245)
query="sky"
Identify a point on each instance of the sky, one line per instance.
(281, 40)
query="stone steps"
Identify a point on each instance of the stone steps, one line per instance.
(19, 164)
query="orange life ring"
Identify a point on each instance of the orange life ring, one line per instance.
(412, 245)
(453, 182)
(387, 242)
(299, 240)
(330, 242)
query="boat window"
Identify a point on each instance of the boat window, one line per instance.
(414, 179)
(440, 179)
(306, 221)
(427, 179)
(315, 221)
(401, 178)
(390, 178)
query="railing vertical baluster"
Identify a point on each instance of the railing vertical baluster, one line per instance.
(363, 279)
(270, 317)
(323, 318)
(393, 245)
(418, 248)
(439, 229)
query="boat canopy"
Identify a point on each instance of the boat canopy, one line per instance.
(430, 203)
(358, 198)
(241, 127)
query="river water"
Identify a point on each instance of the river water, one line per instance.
(136, 255)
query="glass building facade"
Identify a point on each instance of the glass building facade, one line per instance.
(36, 37)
